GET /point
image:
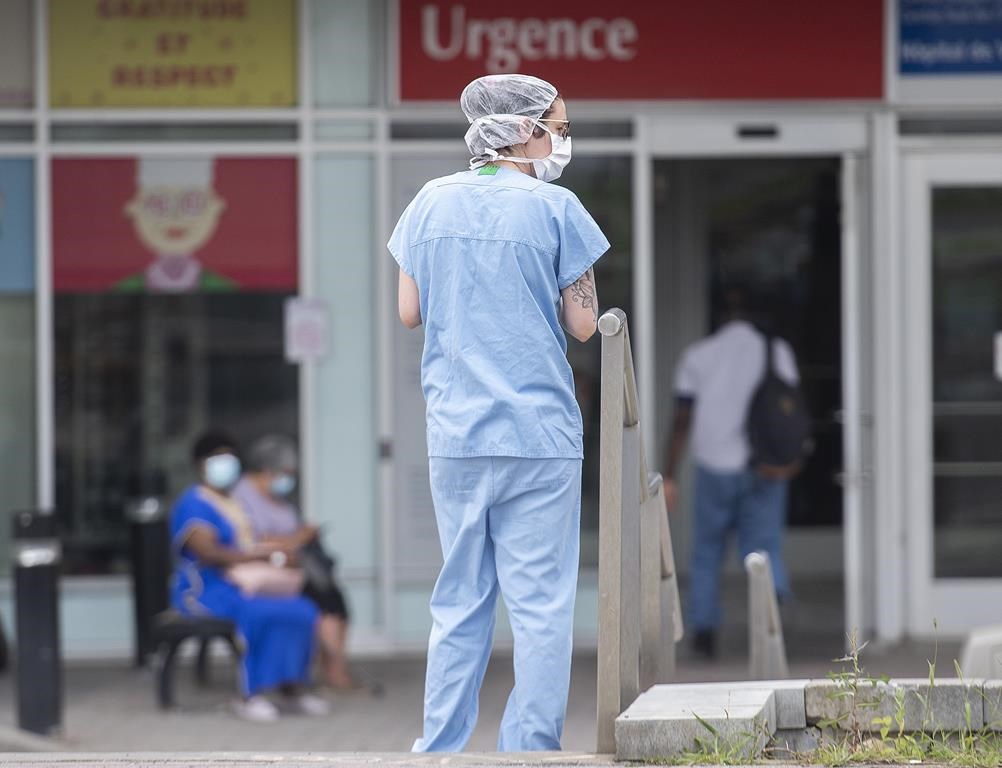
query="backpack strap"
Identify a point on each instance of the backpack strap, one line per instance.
(770, 342)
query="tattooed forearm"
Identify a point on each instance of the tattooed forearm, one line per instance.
(583, 292)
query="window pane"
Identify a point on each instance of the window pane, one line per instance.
(216, 132)
(345, 421)
(344, 130)
(967, 280)
(170, 280)
(966, 535)
(138, 377)
(344, 61)
(967, 395)
(16, 54)
(17, 343)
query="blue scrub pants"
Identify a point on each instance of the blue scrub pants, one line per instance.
(508, 524)
(743, 502)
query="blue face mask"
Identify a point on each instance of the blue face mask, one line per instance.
(222, 471)
(283, 485)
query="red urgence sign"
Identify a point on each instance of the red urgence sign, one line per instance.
(673, 49)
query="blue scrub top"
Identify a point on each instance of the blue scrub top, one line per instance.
(490, 251)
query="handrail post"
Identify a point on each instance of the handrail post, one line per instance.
(612, 328)
(766, 649)
(638, 613)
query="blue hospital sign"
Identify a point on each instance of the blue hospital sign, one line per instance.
(950, 37)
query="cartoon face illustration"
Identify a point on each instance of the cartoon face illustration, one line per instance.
(175, 210)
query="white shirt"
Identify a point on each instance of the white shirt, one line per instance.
(721, 373)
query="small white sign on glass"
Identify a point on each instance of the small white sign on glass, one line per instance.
(307, 329)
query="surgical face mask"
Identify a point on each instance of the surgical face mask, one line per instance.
(546, 168)
(550, 167)
(222, 471)
(283, 485)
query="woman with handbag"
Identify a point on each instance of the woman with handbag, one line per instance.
(263, 492)
(220, 572)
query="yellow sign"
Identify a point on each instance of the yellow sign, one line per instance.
(172, 53)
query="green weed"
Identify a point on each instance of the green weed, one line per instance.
(853, 737)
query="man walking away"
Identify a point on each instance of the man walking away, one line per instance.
(715, 384)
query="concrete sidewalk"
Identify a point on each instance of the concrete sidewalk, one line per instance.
(111, 708)
(308, 760)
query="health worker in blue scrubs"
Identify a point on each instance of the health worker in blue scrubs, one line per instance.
(496, 263)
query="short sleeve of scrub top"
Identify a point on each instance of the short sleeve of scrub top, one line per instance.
(399, 243)
(581, 242)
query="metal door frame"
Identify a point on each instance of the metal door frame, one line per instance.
(947, 606)
(773, 133)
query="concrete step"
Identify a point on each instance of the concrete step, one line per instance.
(669, 720)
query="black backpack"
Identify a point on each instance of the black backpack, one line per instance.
(778, 424)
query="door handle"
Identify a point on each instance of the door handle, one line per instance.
(865, 417)
(843, 478)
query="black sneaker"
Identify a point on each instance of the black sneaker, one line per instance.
(704, 643)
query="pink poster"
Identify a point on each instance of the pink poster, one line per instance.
(174, 224)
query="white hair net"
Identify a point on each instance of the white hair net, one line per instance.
(502, 110)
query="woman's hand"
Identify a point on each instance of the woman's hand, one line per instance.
(203, 543)
(307, 534)
(290, 543)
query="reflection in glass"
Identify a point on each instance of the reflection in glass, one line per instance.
(967, 408)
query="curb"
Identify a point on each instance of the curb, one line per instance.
(16, 740)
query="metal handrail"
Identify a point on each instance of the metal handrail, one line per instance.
(639, 612)
(610, 324)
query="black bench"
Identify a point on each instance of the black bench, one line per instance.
(170, 631)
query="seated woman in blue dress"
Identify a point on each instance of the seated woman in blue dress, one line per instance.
(210, 534)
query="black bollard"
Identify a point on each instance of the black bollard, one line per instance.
(4, 653)
(150, 569)
(37, 558)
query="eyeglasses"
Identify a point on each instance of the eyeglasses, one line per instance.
(163, 205)
(563, 130)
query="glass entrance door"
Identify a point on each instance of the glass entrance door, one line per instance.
(953, 244)
(783, 229)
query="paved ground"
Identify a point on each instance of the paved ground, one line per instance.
(306, 760)
(110, 708)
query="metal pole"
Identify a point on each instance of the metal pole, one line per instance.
(611, 325)
(37, 557)
(150, 569)
(638, 604)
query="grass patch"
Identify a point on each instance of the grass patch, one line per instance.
(855, 736)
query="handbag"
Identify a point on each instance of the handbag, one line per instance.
(260, 578)
(318, 565)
